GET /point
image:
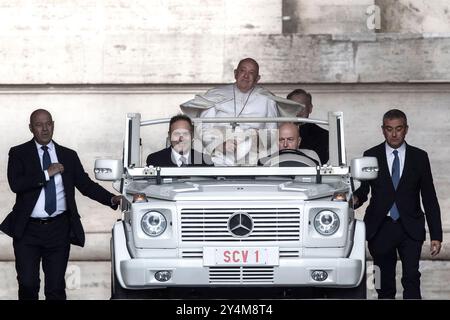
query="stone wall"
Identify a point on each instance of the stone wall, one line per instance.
(90, 62)
(178, 42)
(414, 16)
(165, 59)
(326, 17)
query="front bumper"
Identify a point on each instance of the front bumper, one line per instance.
(188, 272)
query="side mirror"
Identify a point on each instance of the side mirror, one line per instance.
(365, 168)
(108, 170)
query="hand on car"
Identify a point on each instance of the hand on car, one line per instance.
(116, 200)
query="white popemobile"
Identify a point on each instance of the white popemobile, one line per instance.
(237, 228)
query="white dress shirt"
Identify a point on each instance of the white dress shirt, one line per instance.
(177, 157)
(39, 208)
(390, 157)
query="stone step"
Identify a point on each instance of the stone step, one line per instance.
(88, 280)
(96, 248)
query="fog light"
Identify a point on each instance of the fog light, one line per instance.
(163, 275)
(319, 275)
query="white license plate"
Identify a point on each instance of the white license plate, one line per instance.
(240, 256)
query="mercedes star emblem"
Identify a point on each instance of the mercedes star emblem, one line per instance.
(240, 224)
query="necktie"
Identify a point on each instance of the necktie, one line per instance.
(395, 179)
(50, 187)
(183, 161)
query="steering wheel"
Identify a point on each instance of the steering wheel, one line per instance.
(290, 158)
(290, 151)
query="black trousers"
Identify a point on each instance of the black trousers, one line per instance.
(390, 239)
(50, 244)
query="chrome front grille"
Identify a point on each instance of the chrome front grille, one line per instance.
(240, 275)
(187, 253)
(211, 224)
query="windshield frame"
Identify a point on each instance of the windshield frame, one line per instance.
(336, 166)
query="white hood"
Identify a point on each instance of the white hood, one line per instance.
(235, 190)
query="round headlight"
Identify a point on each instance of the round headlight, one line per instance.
(326, 222)
(153, 223)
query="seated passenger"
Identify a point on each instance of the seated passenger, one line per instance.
(288, 144)
(180, 153)
(313, 136)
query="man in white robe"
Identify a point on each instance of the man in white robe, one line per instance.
(231, 144)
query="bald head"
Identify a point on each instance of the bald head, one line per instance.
(37, 112)
(288, 136)
(246, 74)
(249, 61)
(41, 125)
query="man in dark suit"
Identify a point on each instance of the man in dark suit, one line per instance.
(45, 220)
(313, 137)
(180, 152)
(394, 219)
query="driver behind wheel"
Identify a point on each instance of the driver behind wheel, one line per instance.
(289, 153)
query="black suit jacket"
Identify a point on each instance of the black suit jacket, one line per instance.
(416, 180)
(163, 158)
(26, 179)
(315, 138)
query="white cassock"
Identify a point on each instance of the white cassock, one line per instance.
(229, 101)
